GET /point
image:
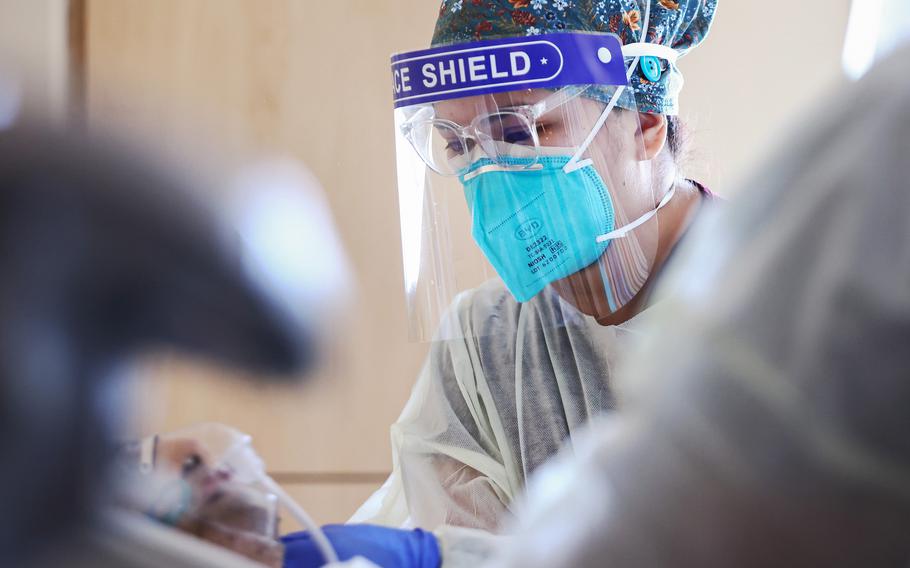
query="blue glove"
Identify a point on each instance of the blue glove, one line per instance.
(382, 546)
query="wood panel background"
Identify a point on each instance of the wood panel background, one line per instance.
(306, 79)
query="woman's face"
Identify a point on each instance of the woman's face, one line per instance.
(618, 157)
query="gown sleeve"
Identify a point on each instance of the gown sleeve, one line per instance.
(448, 467)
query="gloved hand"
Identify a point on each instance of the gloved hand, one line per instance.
(383, 546)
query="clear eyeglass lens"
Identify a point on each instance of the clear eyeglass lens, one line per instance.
(509, 127)
(418, 134)
(506, 136)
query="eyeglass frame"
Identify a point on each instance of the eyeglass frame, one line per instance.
(530, 113)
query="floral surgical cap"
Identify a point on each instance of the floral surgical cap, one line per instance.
(679, 24)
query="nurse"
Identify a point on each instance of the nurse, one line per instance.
(538, 152)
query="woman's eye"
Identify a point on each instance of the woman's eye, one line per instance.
(517, 136)
(190, 464)
(455, 146)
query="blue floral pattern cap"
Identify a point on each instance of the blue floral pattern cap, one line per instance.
(656, 83)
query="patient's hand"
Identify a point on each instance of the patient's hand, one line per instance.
(265, 550)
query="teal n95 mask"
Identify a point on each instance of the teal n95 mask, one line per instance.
(535, 224)
(540, 223)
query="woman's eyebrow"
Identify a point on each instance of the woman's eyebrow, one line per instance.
(517, 102)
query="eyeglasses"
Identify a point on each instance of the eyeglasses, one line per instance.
(447, 147)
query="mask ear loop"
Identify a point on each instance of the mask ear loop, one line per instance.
(626, 229)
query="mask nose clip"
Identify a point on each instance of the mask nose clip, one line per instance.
(490, 168)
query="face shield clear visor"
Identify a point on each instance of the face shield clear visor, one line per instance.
(522, 173)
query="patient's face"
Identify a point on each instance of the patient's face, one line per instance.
(223, 511)
(188, 459)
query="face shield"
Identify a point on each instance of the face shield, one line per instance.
(521, 165)
(207, 479)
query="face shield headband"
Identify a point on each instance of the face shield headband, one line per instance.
(549, 61)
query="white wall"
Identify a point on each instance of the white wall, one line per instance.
(34, 52)
(764, 66)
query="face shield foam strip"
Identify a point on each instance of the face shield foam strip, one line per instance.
(644, 49)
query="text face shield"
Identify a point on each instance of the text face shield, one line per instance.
(520, 179)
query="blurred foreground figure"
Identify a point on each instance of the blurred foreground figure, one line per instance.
(103, 257)
(771, 429)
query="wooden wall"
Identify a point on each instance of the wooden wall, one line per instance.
(308, 79)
